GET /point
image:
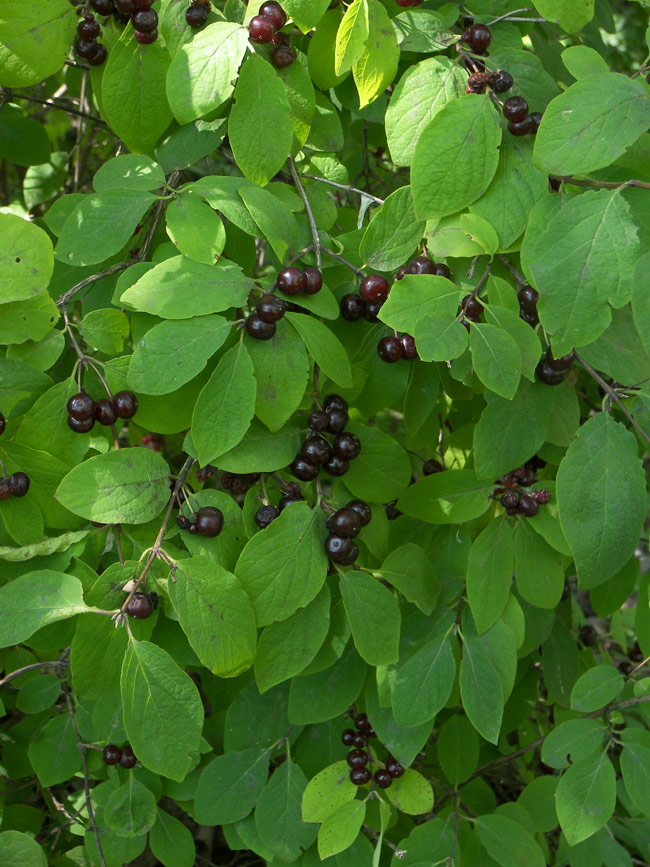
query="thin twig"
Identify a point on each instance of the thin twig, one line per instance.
(343, 261)
(346, 187)
(399, 853)
(508, 14)
(484, 278)
(49, 103)
(55, 663)
(310, 214)
(607, 185)
(614, 396)
(519, 277)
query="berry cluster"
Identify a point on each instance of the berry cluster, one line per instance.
(344, 525)
(207, 522)
(142, 605)
(83, 411)
(316, 451)
(518, 502)
(197, 14)
(478, 37)
(359, 757)
(124, 757)
(520, 122)
(471, 310)
(238, 483)
(86, 45)
(553, 371)
(266, 514)
(138, 12)
(499, 82)
(408, 4)
(528, 298)
(263, 28)
(393, 348)
(269, 310)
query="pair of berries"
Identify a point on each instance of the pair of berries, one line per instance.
(141, 605)
(520, 122)
(143, 18)
(316, 451)
(393, 348)
(207, 522)
(124, 756)
(291, 281)
(237, 483)
(553, 371)
(16, 485)
(373, 291)
(344, 525)
(423, 265)
(83, 411)
(197, 14)
(528, 298)
(499, 82)
(266, 514)
(86, 45)
(478, 38)
(265, 25)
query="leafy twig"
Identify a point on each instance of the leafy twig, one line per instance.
(55, 663)
(343, 261)
(310, 214)
(346, 187)
(614, 396)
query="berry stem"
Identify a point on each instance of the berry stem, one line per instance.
(310, 214)
(346, 187)
(614, 396)
(343, 261)
(519, 277)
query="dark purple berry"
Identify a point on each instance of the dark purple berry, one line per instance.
(127, 759)
(344, 522)
(472, 308)
(85, 48)
(303, 470)
(347, 446)
(313, 276)
(258, 329)
(371, 311)
(547, 375)
(318, 421)
(564, 362)
(209, 521)
(515, 109)
(522, 127)
(421, 265)
(360, 776)
(479, 37)
(104, 412)
(111, 754)
(291, 281)
(374, 287)
(341, 549)
(362, 722)
(261, 29)
(266, 515)
(352, 307)
(510, 500)
(528, 506)
(19, 484)
(394, 768)
(443, 270)
(103, 7)
(270, 308)
(383, 779)
(145, 38)
(3, 423)
(360, 740)
(335, 401)
(196, 15)
(125, 404)
(139, 606)
(144, 20)
(275, 12)
(409, 350)
(336, 466)
(316, 450)
(88, 27)
(503, 82)
(81, 406)
(528, 298)
(338, 419)
(81, 426)
(347, 737)
(99, 57)
(390, 349)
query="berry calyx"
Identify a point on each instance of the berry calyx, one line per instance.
(261, 29)
(352, 307)
(390, 349)
(357, 758)
(270, 308)
(515, 109)
(19, 484)
(125, 404)
(139, 606)
(316, 450)
(361, 776)
(265, 515)
(127, 759)
(111, 754)
(347, 737)
(303, 470)
(341, 549)
(383, 779)
(344, 522)
(374, 287)
(81, 426)
(421, 265)
(281, 57)
(394, 768)
(258, 329)
(313, 276)
(81, 406)
(363, 511)
(209, 521)
(196, 15)
(275, 12)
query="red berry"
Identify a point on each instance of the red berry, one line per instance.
(515, 109)
(275, 12)
(111, 754)
(125, 404)
(292, 281)
(139, 606)
(374, 287)
(390, 349)
(270, 308)
(128, 759)
(261, 29)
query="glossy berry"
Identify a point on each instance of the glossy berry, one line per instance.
(314, 281)
(316, 450)
(363, 511)
(196, 15)
(275, 12)
(283, 56)
(125, 404)
(19, 484)
(536, 117)
(5, 490)
(265, 515)
(371, 311)
(503, 82)
(409, 350)
(352, 307)
(88, 27)
(292, 281)
(347, 737)
(145, 20)
(143, 4)
(258, 329)
(401, 273)
(421, 265)
(102, 7)
(383, 779)
(361, 776)
(85, 48)
(209, 521)
(374, 287)
(531, 318)
(335, 401)
(443, 270)
(362, 722)
(3, 423)
(303, 470)
(390, 349)
(528, 506)
(336, 466)
(392, 512)
(125, 7)
(270, 309)
(99, 57)
(409, 4)
(528, 298)
(261, 29)
(111, 754)
(81, 406)
(127, 759)
(432, 466)
(549, 376)
(515, 109)
(479, 37)
(338, 419)
(104, 412)
(347, 446)
(564, 362)
(472, 308)
(288, 500)
(523, 127)
(139, 606)
(394, 768)
(341, 549)
(145, 38)
(81, 426)
(318, 421)
(344, 522)
(192, 529)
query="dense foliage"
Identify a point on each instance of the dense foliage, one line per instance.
(324, 427)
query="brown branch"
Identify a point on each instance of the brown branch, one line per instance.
(346, 187)
(20, 671)
(519, 277)
(310, 214)
(343, 261)
(614, 396)
(49, 103)
(606, 185)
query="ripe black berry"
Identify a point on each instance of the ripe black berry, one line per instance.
(275, 12)
(196, 15)
(99, 56)
(383, 779)
(528, 298)
(479, 37)
(347, 446)
(394, 768)
(335, 466)
(421, 265)
(409, 350)
(531, 318)
(357, 758)
(145, 38)
(515, 109)
(362, 722)
(371, 311)
(344, 522)
(125, 404)
(536, 117)
(313, 276)
(503, 82)
(472, 308)
(125, 7)
(528, 506)
(5, 490)
(374, 287)
(523, 127)
(3, 423)
(85, 48)
(144, 20)
(547, 375)
(270, 309)
(347, 737)
(291, 281)
(392, 512)
(288, 500)
(338, 419)
(19, 484)
(443, 270)
(258, 329)
(360, 740)
(316, 450)
(266, 515)
(127, 759)
(335, 401)
(341, 549)
(81, 426)
(363, 511)
(209, 521)
(88, 27)
(143, 4)
(361, 776)
(510, 500)
(111, 754)
(102, 7)
(104, 412)
(390, 349)
(401, 272)
(81, 406)
(318, 421)
(588, 635)
(139, 606)
(283, 56)
(261, 29)
(303, 470)
(564, 362)
(352, 307)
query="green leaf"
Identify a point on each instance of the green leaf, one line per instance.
(571, 741)
(561, 665)
(130, 809)
(261, 106)
(105, 329)
(321, 696)
(508, 842)
(172, 842)
(496, 359)
(278, 813)
(195, 229)
(188, 144)
(393, 233)
(33, 600)
(351, 36)
(641, 301)
(174, 352)
(162, 710)
(225, 406)
(382, 470)
(374, 616)
(306, 16)
(591, 124)
(489, 573)
(39, 693)
(133, 92)
(596, 688)
(439, 339)
(452, 497)
(414, 297)
(409, 570)
(420, 94)
(423, 684)
(570, 16)
(20, 850)
(130, 486)
(601, 494)
(274, 219)
(457, 749)
(377, 65)
(328, 790)
(96, 655)
(53, 751)
(283, 568)
(24, 141)
(581, 60)
(230, 785)
(456, 157)
(26, 258)
(411, 793)
(539, 569)
(586, 797)
(216, 616)
(129, 172)
(524, 336)
(635, 767)
(339, 831)
(201, 75)
(179, 288)
(481, 690)
(34, 46)
(261, 451)
(31, 319)
(285, 649)
(325, 349)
